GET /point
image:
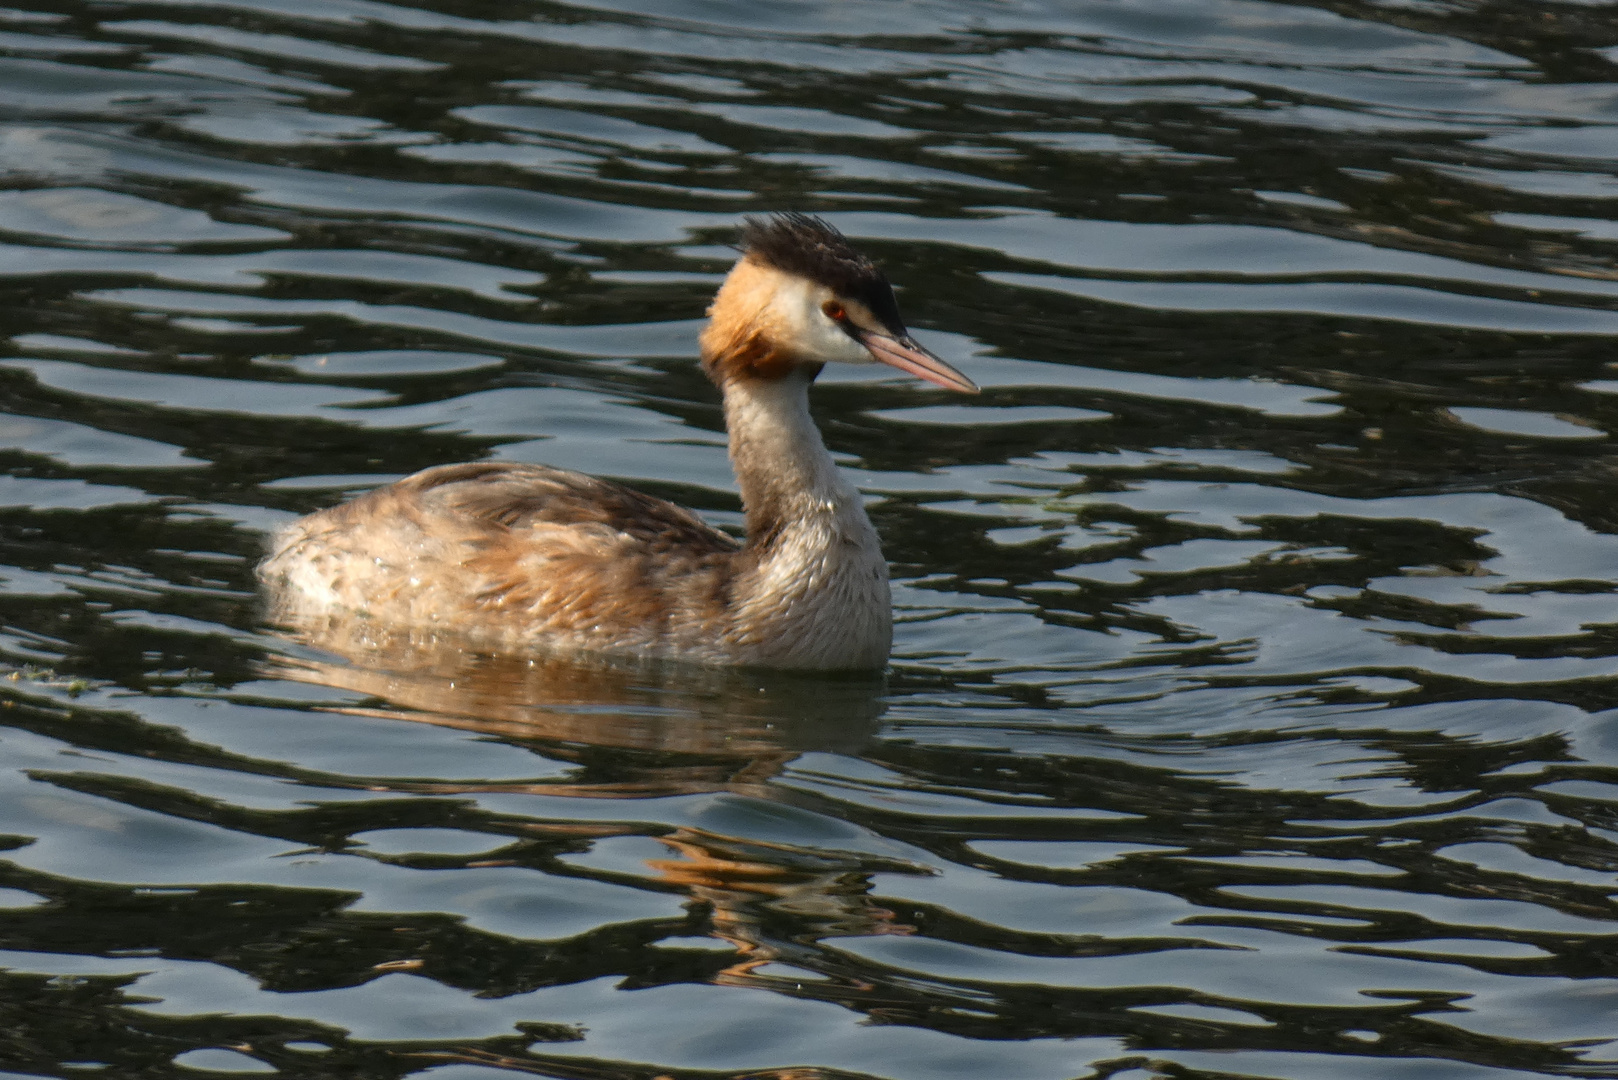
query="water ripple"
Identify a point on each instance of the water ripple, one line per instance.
(1252, 705)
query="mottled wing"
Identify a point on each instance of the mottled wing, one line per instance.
(567, 554)
(509, 553)
(525, 498)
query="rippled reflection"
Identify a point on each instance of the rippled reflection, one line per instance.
(729, 727)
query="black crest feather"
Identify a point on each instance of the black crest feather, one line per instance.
(812, 248)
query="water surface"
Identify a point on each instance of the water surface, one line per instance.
(1254, 705)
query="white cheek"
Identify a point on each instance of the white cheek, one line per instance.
(835, 344)
(813, 332)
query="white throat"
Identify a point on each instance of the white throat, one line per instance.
(818, 593)
(776, 448)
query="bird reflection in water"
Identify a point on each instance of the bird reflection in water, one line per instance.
(653, 727)
(747, 885)
(642, 730)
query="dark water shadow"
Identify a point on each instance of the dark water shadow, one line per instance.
(637, 727)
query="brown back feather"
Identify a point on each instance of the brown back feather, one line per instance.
(521, 497)
(564, 553)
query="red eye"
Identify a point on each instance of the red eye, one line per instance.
(834, 310)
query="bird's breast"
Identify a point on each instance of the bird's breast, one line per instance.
(818, 597)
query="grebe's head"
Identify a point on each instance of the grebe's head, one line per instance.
(800, 296)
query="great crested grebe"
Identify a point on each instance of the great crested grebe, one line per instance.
(520, 557)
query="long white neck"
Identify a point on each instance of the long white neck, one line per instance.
(817, 588)
(783, 467)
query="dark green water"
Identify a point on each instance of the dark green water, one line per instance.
(1254, 709)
